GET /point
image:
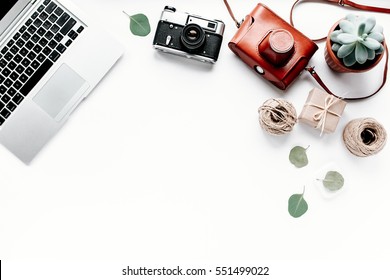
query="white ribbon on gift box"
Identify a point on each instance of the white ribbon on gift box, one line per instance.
(322, 115)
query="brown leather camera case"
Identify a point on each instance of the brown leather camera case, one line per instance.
(251, 44)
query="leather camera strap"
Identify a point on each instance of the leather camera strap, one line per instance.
(238, 24)
(315, 75)
(343, 3)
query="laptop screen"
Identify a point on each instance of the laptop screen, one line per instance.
(6, 5)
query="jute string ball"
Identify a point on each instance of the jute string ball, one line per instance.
(277, 116)
(364, 137)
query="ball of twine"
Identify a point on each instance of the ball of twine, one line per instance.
(364, 137)
(277, 116)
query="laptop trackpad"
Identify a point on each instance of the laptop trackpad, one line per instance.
(61, 93)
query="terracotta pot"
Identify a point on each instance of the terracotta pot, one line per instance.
(337, 64)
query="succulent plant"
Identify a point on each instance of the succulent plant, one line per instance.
(359, 39)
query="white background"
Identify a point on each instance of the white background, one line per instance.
(166, 160)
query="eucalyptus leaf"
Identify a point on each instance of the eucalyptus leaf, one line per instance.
(297, 205)
(333, 181)
(139, 24)
(298, 157)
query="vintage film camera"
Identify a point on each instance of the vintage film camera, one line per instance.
(272, 47)
(188, 35)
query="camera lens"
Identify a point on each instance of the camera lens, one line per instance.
(192, 37)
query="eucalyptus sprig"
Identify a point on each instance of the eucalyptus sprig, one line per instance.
(139, 24)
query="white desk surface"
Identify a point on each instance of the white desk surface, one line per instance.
(166, 160)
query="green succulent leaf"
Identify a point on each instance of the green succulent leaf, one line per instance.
(346, 38)
(345, 50)
(370, 54)
(298, 157)
(370, 24)
(336, 47)
(333, 181)
(297, 205)
(380, 50)
(352, 18)
(376, 36)
(371, 44)
(349, 60)
(139, 24)
(334, 34)
(361, 29)
(346, 26)
(377, 29)
(361, 53)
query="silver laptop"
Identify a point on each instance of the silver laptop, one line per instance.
(51, 57)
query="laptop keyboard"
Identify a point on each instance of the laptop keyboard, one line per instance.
(32, 51)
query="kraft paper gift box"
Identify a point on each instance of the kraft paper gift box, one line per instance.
(322, 111)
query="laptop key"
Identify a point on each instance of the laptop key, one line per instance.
(12, 65)
(64, 18)
(6, 72)
(52, 6)
(41, 31)
(11, 106)
(17, 98)
(23, 52)
(20, 43)
(35, 15)
(11, 91)
(54, 56)
(53, 18)
(68, 26)
(3, 89)
(37, 22)
(14, 76)
(43, 42)
(25, 62)
(20, 69)
(4, 50)
(8, 83)
(5, 113)
(17, 85)
(43, 16)
(5, 98)
(2, 120)
(18, 58)
(29, 71)
(23, 78)
(41, 7)
(46, 51)
(58, 37)
(35, 38)
(34, 79)
(37, 48)
(55, 28)
(32, 29)
(61, 48)
(10, 43)
(58, 11)
(46, 2)
(35, 64)
(3, 63)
